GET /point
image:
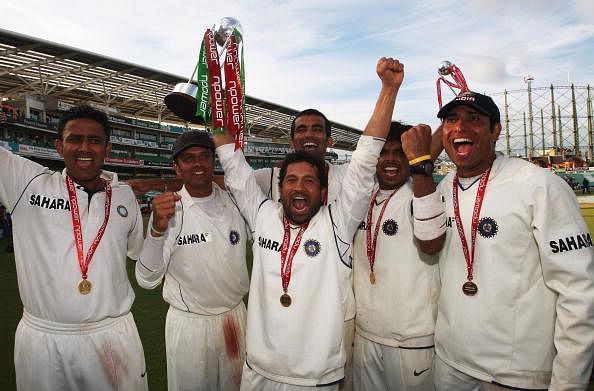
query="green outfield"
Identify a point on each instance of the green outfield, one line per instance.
(588, 214)
(149, 311)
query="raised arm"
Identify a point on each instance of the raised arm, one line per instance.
(239, 177)
(359, 179)
(428, 208)
(391, 74)
(16, 173)
(437, 142)
(151, 266)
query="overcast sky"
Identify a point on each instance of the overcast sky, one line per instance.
(322, 54)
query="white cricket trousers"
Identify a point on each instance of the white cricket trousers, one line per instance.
(348, 339)
(253, 381)
(104, 355)
(448, 378)
(205, 352)
(378, 367)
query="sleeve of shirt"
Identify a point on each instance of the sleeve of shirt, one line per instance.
(570, 274)
(263, 178)
(240, 181)
(150, 267)
(357, 186)
(135, 236)
(15, 174)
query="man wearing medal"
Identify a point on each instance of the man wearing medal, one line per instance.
(311, 132)
(72, 232)
(396, 282)
(301, 273)
(197, 240)
(516, 309)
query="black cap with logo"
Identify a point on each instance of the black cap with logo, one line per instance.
(482, 103)
(194, 138)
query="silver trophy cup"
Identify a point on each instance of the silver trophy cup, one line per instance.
(182, 100)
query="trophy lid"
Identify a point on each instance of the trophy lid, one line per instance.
(445, 68)
(226, 27)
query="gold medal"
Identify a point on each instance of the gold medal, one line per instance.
(372, 277)
(84, 287)
(469, 288)
(285, 300)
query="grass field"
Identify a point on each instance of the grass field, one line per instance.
(149, 311)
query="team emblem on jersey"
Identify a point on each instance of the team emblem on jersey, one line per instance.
(390, 227)
(122, 211)
(487, 227)
(312, 248)
(234, 237)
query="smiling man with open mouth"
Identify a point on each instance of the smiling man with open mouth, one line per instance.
(405, 222)
(301, 275)
(196, 246)
(516, 308)
(72, 232)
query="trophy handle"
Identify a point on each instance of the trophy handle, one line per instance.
(182, 102)
(447, 68)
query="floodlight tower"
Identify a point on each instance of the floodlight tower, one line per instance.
(528, 80)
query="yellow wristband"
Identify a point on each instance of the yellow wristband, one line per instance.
(419, 159)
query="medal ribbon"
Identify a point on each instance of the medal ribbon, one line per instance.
(216, 83)
(203, 92)
(459, 78)
(239, 38)
(234, 93)
(77, 226)
(460, 82)
(372, 242)
(478, 202)
(287, 262)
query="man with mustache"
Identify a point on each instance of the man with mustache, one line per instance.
(396, 282)
(516, 309)
(197, 240)
(72, 232)
(301, 274)
(311, 133)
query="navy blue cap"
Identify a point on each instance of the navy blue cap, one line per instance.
(482, 103)
(194, 138)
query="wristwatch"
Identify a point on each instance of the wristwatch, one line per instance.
(422, 168)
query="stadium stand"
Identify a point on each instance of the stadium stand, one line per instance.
(39, 80)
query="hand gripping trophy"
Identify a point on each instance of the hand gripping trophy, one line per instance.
(215, 100)
(447, 68)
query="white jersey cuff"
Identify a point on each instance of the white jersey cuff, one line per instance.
(429, 216)
(428, 207)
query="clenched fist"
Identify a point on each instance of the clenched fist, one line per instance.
(416, 141)
(390, 71)
(164, 209)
